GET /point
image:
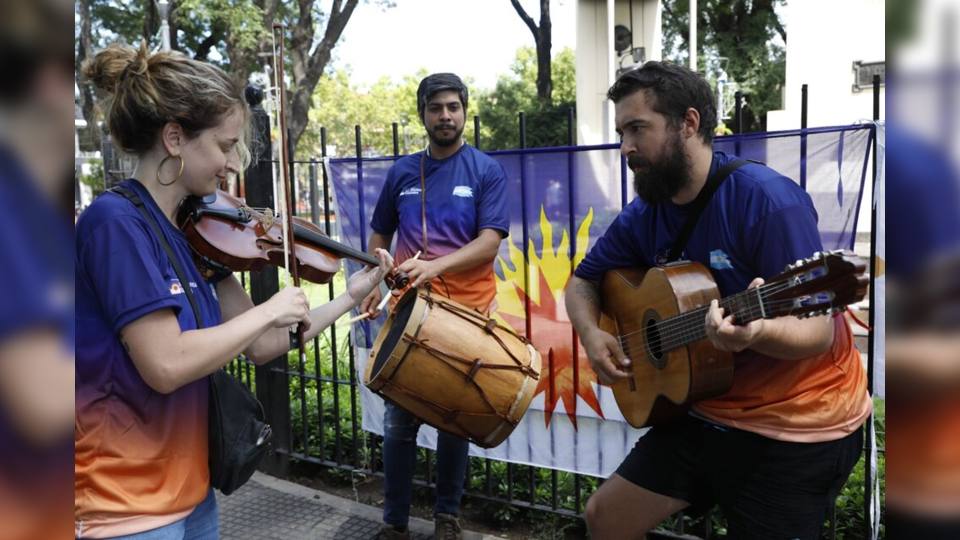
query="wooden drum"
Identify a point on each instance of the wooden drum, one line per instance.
(453, 368)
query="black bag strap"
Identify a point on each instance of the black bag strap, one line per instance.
(132, 196)
(700, 203)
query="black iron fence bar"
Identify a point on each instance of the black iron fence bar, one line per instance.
(738, 117)
(572, 235)
(314, 194)
(292, 187)
(476, 132)
(359, 148)
(334, 349)
(353, 406)
(396, 140)
(871, 321)
(803, 137)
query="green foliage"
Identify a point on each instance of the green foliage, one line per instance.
(205, 25)
(201, 26)
(94, 180)
(850, 517)
(745, 38)
(517, 92)
(339, 105)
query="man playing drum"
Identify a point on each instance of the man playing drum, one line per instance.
(449, 204)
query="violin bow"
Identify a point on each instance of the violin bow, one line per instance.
(289, 250)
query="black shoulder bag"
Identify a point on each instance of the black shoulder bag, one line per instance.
(238, 436)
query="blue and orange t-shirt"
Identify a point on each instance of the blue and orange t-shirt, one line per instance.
(465, 193)
(140, 456)
(757, 223)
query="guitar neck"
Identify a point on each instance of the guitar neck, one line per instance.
(746, 306)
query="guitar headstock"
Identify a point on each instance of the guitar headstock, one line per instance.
(822, 284)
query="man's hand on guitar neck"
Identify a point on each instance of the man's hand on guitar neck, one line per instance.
(785, 338)
(725, 334)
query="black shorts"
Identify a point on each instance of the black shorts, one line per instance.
(766, 488)
(906, 525)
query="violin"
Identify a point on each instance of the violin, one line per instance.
(228, 236)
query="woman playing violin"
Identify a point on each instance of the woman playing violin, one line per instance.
(142, 357)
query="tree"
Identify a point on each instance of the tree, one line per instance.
(339, 106)
(741, 33)
(517, 92)
(238, 30)
(91, 139)
(542, 36)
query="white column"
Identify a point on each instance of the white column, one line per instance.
(163, 6)
(693, 35)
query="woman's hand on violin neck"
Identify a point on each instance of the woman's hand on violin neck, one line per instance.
(287, 308)
(362, 286)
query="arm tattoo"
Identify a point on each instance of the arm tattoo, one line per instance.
(588, 291)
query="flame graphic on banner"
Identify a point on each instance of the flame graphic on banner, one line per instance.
(552, 333)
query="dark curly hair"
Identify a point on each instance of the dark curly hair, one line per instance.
(673, 89)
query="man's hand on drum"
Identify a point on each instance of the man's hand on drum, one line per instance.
(421, 271)
(363, 284)
(606, 356)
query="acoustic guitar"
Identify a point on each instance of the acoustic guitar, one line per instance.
(658, 314)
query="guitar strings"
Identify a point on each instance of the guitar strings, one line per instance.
(689, 326)
(682, 319)
(669, 341)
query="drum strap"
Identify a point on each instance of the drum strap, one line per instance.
(423, 201)
(423, 213)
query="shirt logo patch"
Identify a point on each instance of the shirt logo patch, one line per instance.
(463, 191)
(720, 260)
(176, 287)
(410, 191)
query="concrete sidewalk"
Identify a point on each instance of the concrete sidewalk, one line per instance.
(269, 508)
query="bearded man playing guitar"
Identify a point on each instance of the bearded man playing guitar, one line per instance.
(774, 450)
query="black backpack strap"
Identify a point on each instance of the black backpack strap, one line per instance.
(132, 196)
(700, 203)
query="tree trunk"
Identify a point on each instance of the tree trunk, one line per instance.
(543, 37)
(90, 141)
(308, 67)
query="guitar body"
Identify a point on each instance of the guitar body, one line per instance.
(663, 383)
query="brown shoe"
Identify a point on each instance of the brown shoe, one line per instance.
(389, 532)
(447, 527)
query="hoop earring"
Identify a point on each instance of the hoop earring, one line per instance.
(179, 173)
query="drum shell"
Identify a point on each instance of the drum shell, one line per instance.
(454, 368)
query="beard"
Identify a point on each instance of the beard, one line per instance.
(442, 141)
(660, 181)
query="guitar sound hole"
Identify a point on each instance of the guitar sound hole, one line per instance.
(654, 349)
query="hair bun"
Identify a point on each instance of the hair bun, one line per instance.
(109, 66)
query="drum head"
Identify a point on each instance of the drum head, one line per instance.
(398, 323)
